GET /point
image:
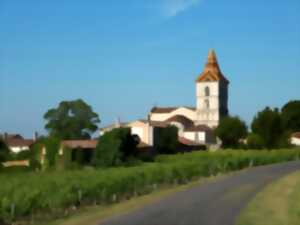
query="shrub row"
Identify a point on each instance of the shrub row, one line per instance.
(27, 194)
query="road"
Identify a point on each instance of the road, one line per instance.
(213, 203)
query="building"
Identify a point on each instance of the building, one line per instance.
(195, 124)
(295, 139)
(16, 143)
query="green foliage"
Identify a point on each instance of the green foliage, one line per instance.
(55, 192)
(290, 115)
(52, 146)
(72, 120)
(254, 141)
(166, 140)
(4, 151)
(230, 131)
(268, 125)
(114, 147)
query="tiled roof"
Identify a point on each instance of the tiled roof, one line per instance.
(198, 128)
(212, 71)
(187, 142)
(169, 109)
(15, 142)
(79, 143)
(296, 135)
(180, 119)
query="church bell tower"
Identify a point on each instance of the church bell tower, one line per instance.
(211, 93)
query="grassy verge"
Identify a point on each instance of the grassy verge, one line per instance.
(40, 196)
(277, 204)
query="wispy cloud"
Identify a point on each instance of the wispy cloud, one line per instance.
(171, 8)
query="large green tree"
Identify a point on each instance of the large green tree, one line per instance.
(72, 120)
(290, 115)
(230, 131)
(268, 125)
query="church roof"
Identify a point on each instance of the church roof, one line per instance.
(212, 71)
(169, 109)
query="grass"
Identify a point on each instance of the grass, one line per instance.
(277, 204)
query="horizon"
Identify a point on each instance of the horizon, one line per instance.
(124, 58)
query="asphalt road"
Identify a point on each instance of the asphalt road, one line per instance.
(214, 203)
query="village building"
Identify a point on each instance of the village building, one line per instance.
(16, 143)
(195, 124)
(295, 139)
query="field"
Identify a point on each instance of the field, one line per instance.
(277, 204)
(50, 195)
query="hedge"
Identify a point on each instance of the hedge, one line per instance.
(25, 195)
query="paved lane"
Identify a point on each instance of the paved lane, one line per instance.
(214, 203)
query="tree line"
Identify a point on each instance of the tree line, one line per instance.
(270, 128)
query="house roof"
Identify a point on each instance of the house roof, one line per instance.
(180, 119)
(15, 142)
(212, 71)
(296, 135)
(187, 142)
(198, 128)
(79, 143)
(169, 109)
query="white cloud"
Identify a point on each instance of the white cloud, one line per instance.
(172, 8)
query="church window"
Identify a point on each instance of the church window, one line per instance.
(207, 91)
(207, 103)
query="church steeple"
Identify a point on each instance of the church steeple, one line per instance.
(212, 71)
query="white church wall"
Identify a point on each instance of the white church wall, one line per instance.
(201, 136)
(190, 136)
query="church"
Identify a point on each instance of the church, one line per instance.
(195, 124)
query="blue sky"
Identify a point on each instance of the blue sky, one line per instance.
(123, 57)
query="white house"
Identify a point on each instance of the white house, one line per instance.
(295, 139)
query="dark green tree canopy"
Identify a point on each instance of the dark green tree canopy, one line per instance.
(268, 125)
(291, 116)
(72, 120)
(4, 151)
(166, 140)
(230, 131)
(115, 147)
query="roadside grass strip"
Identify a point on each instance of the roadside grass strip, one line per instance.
(277, 204)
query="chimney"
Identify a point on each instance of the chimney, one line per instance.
(5, 136)
(35, 136)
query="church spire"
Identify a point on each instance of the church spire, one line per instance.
(212, 71)
(212, 58)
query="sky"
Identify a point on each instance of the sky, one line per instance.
(124, 57)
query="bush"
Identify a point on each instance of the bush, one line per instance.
(115, 147)
(166, 140)
(254, 141)
(231, 130)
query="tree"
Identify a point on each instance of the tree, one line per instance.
(115, 147)
(72, 120)
(4, 151)
(166, 140)
(268, 125)
(254, 141)
(231, 130)
(290, 115)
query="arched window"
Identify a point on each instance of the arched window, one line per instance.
(207, 91)
(207, 103)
